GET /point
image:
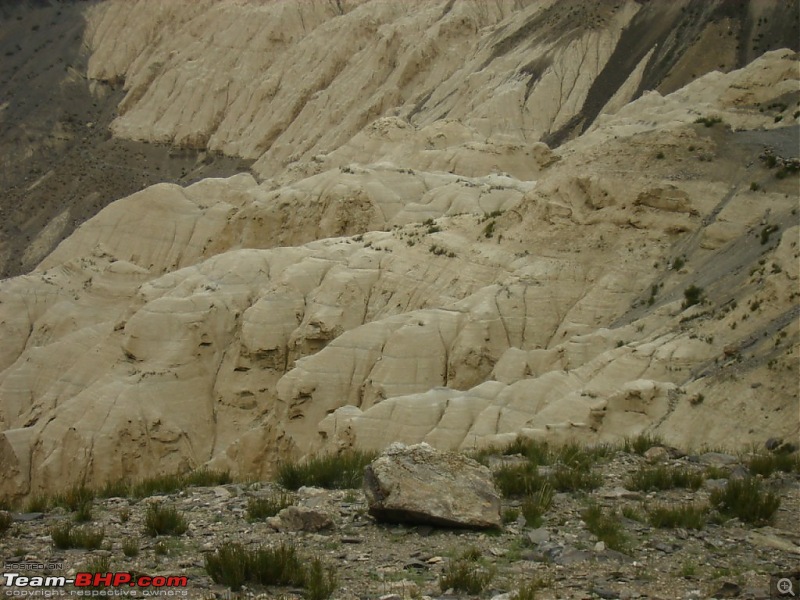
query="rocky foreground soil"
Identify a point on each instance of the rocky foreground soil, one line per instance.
(560, 557)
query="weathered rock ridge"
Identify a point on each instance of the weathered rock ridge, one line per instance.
(408, 277)
(288, 82)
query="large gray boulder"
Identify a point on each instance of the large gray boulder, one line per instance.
(418, 484)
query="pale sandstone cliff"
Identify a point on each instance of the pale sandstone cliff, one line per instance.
(450, 281)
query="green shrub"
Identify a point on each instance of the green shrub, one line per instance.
(115, 489)
(228, 565)
(664, 478)
(536, 451)
(38, 504)
(606, 526)
(767, 464)
(686, 516)
(167, 484)
(207, 478)
(717, 472)
(130, 547)
(234, 565)
(98, 564)
(692, 295)
(575, 456)
(62, 536)
(767, 232)
(75, 499)
(708, 121)
(746, 500)
(466, 576)
(331, 471)
(518, 480)
(631, 513)
(471, 553)
(65, 536)
(84, 512)
(536, 504)
(642, 442)
(320, 581)
(267, 506)
(163, 520)
(5, 522)
(510, 515)
(528, 589)
(566, 479)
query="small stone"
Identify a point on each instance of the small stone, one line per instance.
(434, 560)
(739, 472)
(717, 459)
(728, 590)
(599, 546)
(620, 492)
(662, 547)
(572, 556)
(538, 536)
(300, 518)
(23, 517)
(656, 454)
(606, 593)
(221, 492)
(715, 484)
(504, 596)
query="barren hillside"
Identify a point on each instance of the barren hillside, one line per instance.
(464, 221)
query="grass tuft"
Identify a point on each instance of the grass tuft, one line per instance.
(130, 547)
(234, 565)
(264, 507)
(767, 464)
(65, 536)
(686, 516)
(746, 500)
(466, 576)
(518, 480)
(606, 526)
(641, 443)
(535, 505)
(566, 479)
(664, 478)
(84, 512)
(5, 522)
(527, 590)
(163, 520)
(39, 503)
(75, 499)
(331, 471)
(169, 484)
(320, 581)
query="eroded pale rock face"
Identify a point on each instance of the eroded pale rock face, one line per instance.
(439, 284)
(266, 82)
